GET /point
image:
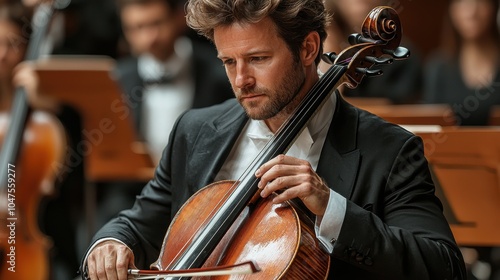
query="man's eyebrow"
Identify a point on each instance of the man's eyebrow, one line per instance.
(248, 54)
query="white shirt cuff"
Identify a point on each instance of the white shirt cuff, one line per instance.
(328, 227)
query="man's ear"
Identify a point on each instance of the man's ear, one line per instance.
(310, 48)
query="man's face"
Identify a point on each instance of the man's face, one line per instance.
(12, 48)
(262, 71)
(151, 28)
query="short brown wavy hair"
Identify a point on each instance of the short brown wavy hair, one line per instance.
(294, 19)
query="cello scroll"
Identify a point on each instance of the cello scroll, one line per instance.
(378, 44)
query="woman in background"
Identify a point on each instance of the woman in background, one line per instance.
(464, 73)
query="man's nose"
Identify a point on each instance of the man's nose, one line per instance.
(243, 79)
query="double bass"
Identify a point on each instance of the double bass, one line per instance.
(33, 144)
(226, 226)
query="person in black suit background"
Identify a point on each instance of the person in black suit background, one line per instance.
(366, 181)
(169, 69)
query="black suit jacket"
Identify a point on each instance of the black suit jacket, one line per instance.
(211, 83)
(393, 229)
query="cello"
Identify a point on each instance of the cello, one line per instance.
(33, 145)
(227, 223)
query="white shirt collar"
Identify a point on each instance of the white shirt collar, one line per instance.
(256, 135)
(259, 133)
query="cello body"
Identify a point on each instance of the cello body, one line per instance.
(262, 232)
(24, 249)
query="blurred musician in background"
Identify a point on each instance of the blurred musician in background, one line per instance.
(57, 213)
(168, 71)
(465, 72)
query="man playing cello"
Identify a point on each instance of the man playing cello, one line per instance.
(366, 181)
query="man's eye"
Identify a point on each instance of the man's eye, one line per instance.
(258, 58)
(227, 62)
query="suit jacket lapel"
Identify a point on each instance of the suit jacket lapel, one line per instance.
(211, 150)
(339, 158)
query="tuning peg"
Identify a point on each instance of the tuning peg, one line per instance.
(379, 60)
(356, 38)
(399, 53)
(368, 72)
(329, 57)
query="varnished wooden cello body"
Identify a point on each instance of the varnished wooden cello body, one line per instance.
(25, 249)
(33, 145)
(228, 223)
